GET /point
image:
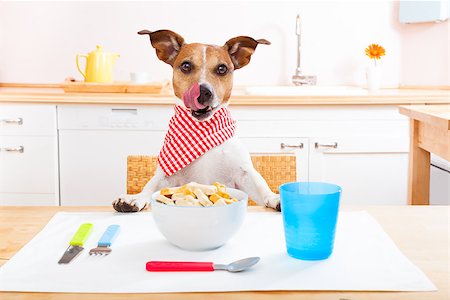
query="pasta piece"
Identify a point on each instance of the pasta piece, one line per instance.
(194, 201)
(202, 198)
(207, 189)
(168, 191)
(230, 201)
(185, 190)
(220, 202)
(214, 198)
(224, 195)
(178, 196)
(219, 186)
(164, 199)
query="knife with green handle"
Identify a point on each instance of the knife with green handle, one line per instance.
(76, 243)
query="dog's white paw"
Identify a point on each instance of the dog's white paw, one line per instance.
(273, 201)
(130, 203)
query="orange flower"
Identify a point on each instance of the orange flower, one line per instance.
(375, 51)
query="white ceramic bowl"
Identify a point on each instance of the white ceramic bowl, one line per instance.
(200, 228)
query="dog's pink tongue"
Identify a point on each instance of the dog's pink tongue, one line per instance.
(190, 97)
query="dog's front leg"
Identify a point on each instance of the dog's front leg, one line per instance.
(251, 182)
(138, 202)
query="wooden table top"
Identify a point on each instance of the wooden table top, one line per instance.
(421, 233)
(437, 115)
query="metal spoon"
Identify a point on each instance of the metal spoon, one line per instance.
(178, 266)
(239, 265)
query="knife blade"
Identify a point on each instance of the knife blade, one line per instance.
(76, 243)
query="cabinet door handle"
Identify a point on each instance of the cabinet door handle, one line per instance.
(19, 149)
(18, 121)
(284, 146)
(317, 145)
(132, 111)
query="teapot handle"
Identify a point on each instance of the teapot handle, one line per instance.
(78, 65)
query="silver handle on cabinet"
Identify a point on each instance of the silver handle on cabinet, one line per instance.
(19, 149)
(284, 146)
(132, 111)
(317, 145)
(18, 121)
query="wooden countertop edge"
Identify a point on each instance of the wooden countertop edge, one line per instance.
(166, 100)
(31, 85)
(61, 85)
(410, 95)
(414, 112)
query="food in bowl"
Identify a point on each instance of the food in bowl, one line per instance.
(195, 194)
(199, 228)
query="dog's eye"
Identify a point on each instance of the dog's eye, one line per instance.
(222, 69)
(186, 67)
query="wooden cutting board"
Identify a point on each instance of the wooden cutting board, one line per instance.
(116, 87)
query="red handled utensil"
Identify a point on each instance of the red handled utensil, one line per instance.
(180, 266)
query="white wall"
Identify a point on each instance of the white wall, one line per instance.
(39, 41)
(425, 54)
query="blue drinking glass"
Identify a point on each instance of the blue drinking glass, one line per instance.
(310, 211)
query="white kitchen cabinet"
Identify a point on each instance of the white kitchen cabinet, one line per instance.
(369, 161)
(28, 155)
(94, 142)
(28, 120)
(370, 170)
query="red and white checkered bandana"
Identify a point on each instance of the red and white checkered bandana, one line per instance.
(187, 139)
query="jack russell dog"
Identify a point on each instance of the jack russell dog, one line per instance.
(200, 145)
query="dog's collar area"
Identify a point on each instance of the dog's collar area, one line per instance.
(187, 138)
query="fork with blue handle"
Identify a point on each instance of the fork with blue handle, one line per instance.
(105, 242)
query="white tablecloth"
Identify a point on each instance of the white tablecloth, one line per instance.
(364, 259)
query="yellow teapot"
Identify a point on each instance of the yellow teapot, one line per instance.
(99, 65)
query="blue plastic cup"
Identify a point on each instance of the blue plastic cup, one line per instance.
(310, 211)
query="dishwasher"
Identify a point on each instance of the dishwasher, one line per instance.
(94, 142)
(439, 181)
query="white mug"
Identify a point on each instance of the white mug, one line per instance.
(140, 77)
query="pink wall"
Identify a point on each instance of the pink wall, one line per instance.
(39, 40)
(425, 54)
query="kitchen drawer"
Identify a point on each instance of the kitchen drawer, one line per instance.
(316, 112)
(37, 119)
(261, 145)
(360, 144)
(19, 199)
(295, 128)
(117, 117)
(32, 171)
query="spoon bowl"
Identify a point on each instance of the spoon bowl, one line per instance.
(239, 265)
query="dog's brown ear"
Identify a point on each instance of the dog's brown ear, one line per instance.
(241, 49)
(167, 44)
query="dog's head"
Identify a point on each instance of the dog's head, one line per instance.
(202, 74)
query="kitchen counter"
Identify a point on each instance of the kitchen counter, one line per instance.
(421, 233)
(54, 94)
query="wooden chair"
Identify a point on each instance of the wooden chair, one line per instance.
(275, 169)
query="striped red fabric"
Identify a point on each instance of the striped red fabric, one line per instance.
(187, 139)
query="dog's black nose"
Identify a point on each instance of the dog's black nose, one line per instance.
(205, 94)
